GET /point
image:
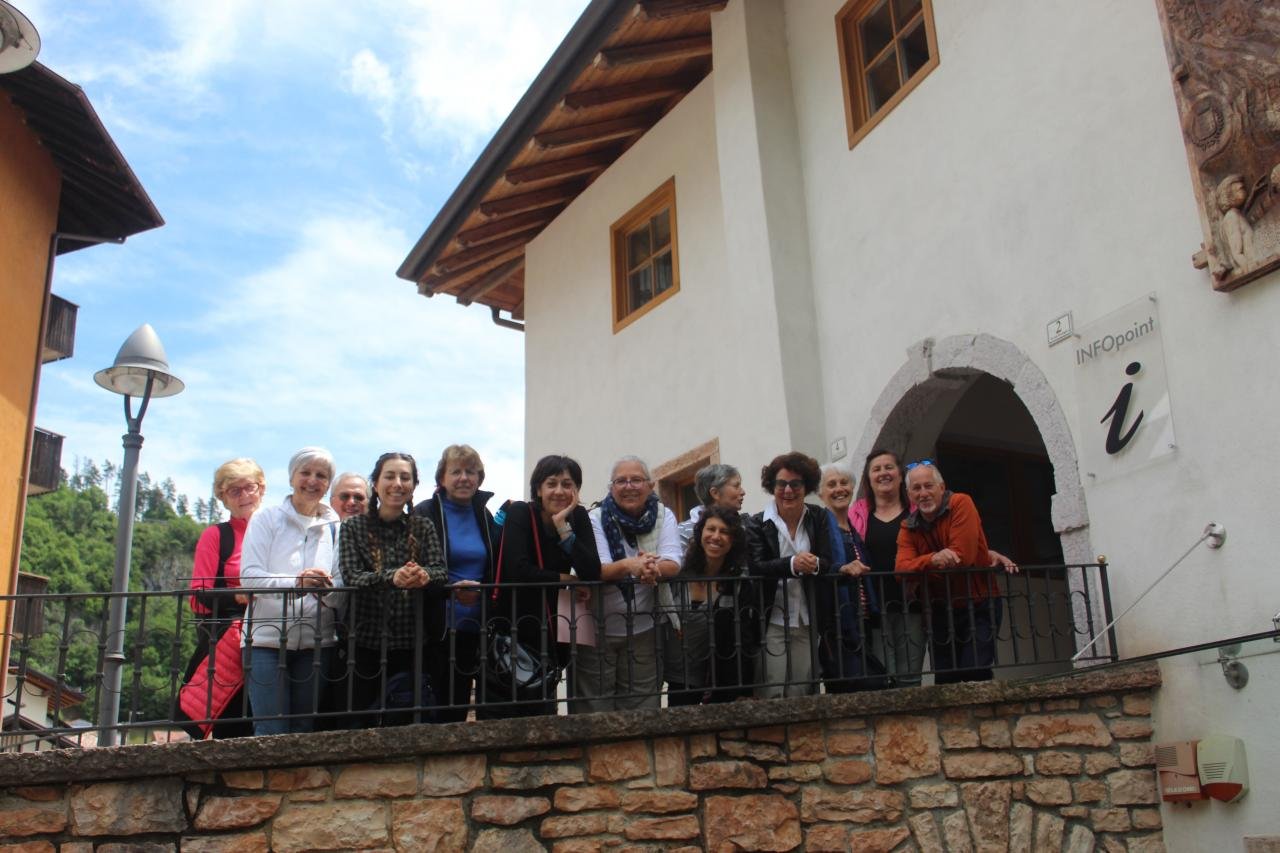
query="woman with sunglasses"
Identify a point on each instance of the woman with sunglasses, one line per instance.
(391, 558)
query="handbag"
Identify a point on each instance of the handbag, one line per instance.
(515, 670)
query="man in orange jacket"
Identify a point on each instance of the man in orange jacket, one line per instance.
(944, 532)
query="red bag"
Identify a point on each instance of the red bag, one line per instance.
(203, 704)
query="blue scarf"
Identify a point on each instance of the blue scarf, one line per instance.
(618, 526)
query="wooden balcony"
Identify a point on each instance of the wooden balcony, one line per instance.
(60, 335)
(28, 620)
(46, 462)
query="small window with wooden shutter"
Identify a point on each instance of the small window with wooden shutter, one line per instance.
(646, 267)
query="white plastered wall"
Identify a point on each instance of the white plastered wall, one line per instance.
(1040, 169)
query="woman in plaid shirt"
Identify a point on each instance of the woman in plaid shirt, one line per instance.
(392, 561)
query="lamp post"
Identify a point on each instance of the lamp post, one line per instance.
(141, 369)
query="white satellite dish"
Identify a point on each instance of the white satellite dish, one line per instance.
(19, 41)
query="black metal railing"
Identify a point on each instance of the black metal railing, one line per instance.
(533, 649)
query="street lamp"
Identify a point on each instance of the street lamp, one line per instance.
(141, 369)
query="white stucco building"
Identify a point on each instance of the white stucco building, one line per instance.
(902, 290)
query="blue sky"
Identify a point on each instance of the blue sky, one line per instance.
(296, 150)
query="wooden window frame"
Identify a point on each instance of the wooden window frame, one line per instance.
(674, 474)
(858, 120)
(663, 197)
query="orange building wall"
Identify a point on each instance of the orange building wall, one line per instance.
(29, 187)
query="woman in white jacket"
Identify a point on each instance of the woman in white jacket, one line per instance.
(286, 634)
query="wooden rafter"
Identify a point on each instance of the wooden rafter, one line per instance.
(489, 281)
(442, 282)
(638, 90)
(655, 51)
(531, 200)
(582, 164)
(659, 9)
(517, 313)
(600, 131)
(507, 225)
(459, 261)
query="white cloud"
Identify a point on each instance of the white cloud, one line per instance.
(370, 78)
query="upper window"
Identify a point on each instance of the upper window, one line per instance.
(886, 48)
(646, 265)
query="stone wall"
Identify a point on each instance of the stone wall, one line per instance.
(1058, 765)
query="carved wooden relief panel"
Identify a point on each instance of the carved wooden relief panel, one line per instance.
(1225, 60)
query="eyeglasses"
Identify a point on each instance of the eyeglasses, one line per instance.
(249, 491)
(793, 485)
(350, 496)
(633, 482)
(926, 463)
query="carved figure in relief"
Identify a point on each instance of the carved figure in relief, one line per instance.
(1234, 227)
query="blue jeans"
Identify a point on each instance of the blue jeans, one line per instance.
(281, 686)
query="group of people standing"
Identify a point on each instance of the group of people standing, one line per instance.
(368, 609)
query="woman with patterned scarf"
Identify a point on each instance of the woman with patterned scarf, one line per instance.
(639, 546)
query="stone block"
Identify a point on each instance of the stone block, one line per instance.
(19, 817)
(925, 830)
(298, 779)
(796, 772)
(236, 812)
(586, 799)
(38, 793)
(1081, 840)
(751, 822)
(878, 840)
(580, 845)
(787, 788)
(1138, 754)
(934, 796)
(1055, 763)
(857, 806)
(438, 825)
(1037, 731)
(906, 748)
(1133, 787)
(1091, 791)
(530, 776)
(610, 762)
(959, 737)
(670, 762)
(995, 734)
(451, 775)
(1011, 709)
(827, 838)
(847, 772)
(317, 796)
(659, 802)
(805, 742)
(848, 743)
(987, 806)
(1061, 705)
(1100, 762)
(1103, 701)
(376, 781)
(138, 847)
(1130, 728)
(1050, 830)
(768, 734)
(981, 765)
(709, 775)
(29, 847)
(1049, 792)
(663, 828)
(128, 808)
(1110, 820)
(1150, 819)
(764, 752)
(954, 717)
(247, 842)
(564, 826)
(507, 811)
(702, 746)
(1155, 844)
(248, 780)
(507, 841)
(955, 832)
(331, 826)
(1137, 704)
(1020, 826)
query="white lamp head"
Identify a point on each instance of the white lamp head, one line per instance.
(19, 41)
(142, 355)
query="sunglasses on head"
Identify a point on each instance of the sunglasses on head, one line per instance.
(927, 463)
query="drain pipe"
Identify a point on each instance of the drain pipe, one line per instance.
(503, 322)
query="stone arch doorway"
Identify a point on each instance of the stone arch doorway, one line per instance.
(978, 404)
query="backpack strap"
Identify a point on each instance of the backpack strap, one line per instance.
(226, 547)
(534, 523)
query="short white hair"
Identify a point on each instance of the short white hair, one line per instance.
(308, 455)
(352, 475)
(623, 461)
(932, 466)
(838, 468)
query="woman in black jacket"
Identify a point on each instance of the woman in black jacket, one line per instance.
(546, 541)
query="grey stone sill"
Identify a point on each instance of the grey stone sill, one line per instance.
(347, 747)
